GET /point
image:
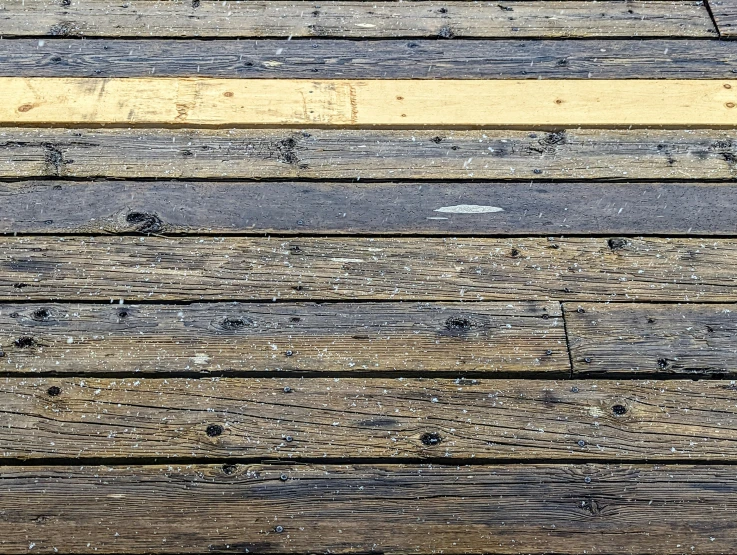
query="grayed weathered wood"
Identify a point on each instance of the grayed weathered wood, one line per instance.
(369, 508)
(277, 337)
(473, 269)
(725, 16)
(380, 59)
(652, 338)
(367, 418)
(369, 154)
(357, 19)
(51, 207)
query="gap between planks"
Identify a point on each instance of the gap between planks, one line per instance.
(211, 102)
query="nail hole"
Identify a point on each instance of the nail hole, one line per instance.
(619, 410)
(617, 243)
(214, 430)
(54, 391)
(41, 314)
(431, 438)
(662, 363)
(457, 324)
(287, 389)
(24, 342)
(229, 469)
(284, 477)
(279, 529)
(581, 443)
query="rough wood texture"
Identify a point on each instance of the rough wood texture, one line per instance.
(659, 339)
(283, 337)
(379, 59)
(53, 207)
(725, 16)
(274, 18)
(367, 418)
(212, 102)
(266, 269)
(369, 508)
(489, 154)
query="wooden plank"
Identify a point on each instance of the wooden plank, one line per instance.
(725, 16)
(264, 338)
(489, 154)
(268, 269)
(652, 338)
(357, 19)
(211, 102)
(312, 418)
(174, 207)
(369, 508)
(378, 59)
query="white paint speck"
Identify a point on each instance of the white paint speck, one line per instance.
(469, 209)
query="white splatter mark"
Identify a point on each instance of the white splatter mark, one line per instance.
(366, 25)
(201, 358)
(469, 209)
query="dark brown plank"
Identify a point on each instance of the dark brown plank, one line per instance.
(652, 338)
(725, 16)
(171, 207)
(366, 337)
(356, 19)
(269, 269)
(574, 154)
(369, 508)
(290, 418)
(380, 59)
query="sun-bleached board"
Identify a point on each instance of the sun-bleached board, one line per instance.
(377, 59)
(295, 337)
(212, 102)
(102, 269)
(348, 418)
(355, 19)
(176, 508)
(336, 208)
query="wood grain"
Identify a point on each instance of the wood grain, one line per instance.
(211, 102)
(357, 19)
(377, 59)
(725, 16)
(574, 154)
(175, 207)
(267, 338)
(268, 269)
(290, 418)
(657, 339)
(369, 508)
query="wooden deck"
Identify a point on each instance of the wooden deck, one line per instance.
(358, 277)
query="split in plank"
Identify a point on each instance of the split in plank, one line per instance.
(464, 419)
(206, 208)
(365, 337)
(652, 338)
(489, 154)
(378, 59)
(211, 102)
(356, 19)
(725, 16)
(431, 269)
(369, 508)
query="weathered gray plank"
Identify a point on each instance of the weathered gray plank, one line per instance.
(366, 337)
(356, 19)
(380, 59)
(166, 207)
(369, 154)
(367, 418)
(266, 269)
(725, 16)
(652, 338)
(369, 508)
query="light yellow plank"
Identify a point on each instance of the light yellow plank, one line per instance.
(390, 103)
